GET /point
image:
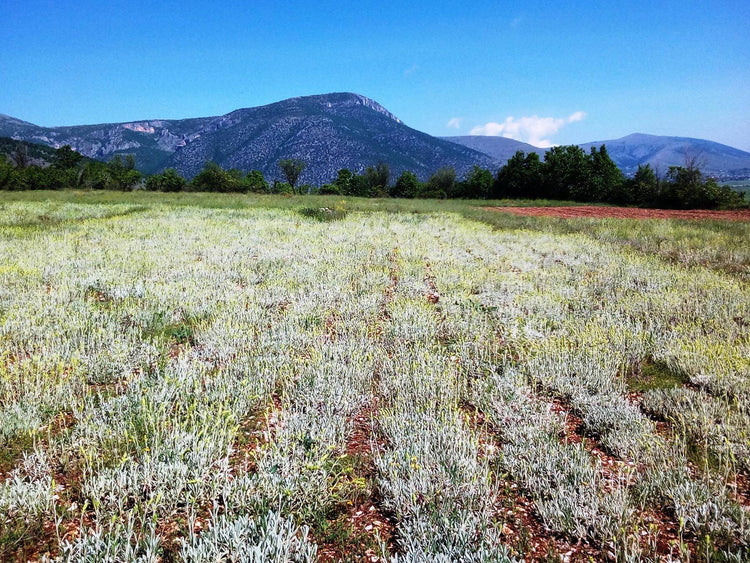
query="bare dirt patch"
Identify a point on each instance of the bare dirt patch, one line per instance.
(598, 212)
(363, 526)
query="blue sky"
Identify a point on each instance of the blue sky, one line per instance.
(545, 72)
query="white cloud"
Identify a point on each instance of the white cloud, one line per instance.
(454, 123)
(411, 70)
(534, 130)
(577, 116)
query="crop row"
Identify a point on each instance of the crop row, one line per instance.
(186, 383)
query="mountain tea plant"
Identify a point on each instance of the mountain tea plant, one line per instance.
(183, 383)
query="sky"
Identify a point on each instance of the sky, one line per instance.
(541, 72)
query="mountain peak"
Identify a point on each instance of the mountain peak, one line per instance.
(13, 120)
(341, 100)
(372, 104)
(328, 131)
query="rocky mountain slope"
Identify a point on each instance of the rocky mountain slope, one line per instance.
(340, 130)
(328, 132)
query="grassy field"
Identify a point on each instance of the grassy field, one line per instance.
(739, 185)
(186, 377)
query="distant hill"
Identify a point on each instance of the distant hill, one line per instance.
(660, 152)
(712, 158)
(39, 155)
(340, 130)
(499, 148)
(328, 132)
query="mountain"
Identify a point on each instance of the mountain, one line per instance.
(499, 148)
(41, 155)
(340, 130)
(714, 159)
(660, 152)
(328, 132)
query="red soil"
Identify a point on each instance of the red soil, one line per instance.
(598, 212)
(614, 475)
(366, 524)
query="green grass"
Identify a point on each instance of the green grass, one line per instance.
(655, 374)
(245, 201)
(719, 245)
(742, 186)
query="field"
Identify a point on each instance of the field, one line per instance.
(739, 185)
(236, 378)
(577, 211)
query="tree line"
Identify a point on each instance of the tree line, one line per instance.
(566, 173)
(68, 169)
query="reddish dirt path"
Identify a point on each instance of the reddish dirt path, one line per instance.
(598, 212)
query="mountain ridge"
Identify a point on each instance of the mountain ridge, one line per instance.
(340, 130)
(328, 132)
(630, 151)
(661, 152)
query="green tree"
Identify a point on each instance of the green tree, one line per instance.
(36, 178)
(291, 168)
(521, 177)
(476, 185)
(351, 184)
(213, 178)
(6, 172)
(281, 188)
(566, 173)
(168, 181)
(358, 186)
(122, 174)
(95, 175)
(376, 179)
(440, 184)
(407, 185)
(688, 188)
(67, 168)
(66, 158)
(256, 182)
(643, 188)
(343, 181)
(685, 188)
(605, 181)
(329, 189)
(724, 197)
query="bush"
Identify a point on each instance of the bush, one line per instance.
(407, 185)
(329, 189)
(167, 181)
(214, 179)
(324, 214)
